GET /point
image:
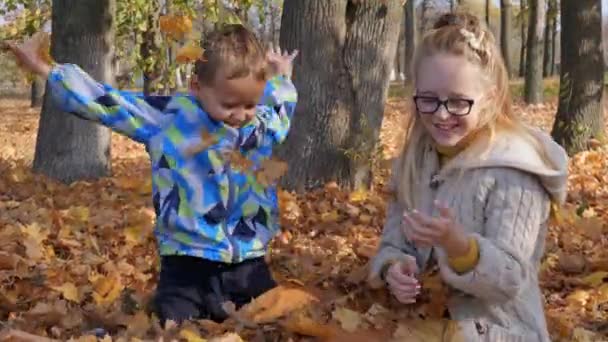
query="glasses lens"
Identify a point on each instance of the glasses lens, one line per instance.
(459, 106)
(427, 104)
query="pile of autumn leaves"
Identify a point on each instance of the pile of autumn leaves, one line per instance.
(79, 261)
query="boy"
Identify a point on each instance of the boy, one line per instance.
(214, 222)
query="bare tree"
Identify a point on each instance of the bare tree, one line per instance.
(506, 26)
(337, 124)
(69, 148)
(579, 114)
(533, 87)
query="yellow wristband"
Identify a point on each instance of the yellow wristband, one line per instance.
(467, 262)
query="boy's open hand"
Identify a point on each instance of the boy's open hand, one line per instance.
(281, 61)
(29, 55)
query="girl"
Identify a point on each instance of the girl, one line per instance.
(474, 188)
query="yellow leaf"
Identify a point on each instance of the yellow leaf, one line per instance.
(228, 337)
(189, 53)
(578, 298)
(602, 294)
(349, 319)
(358, 196)
(190, 336)
(107, 289)
(595, 279)
(80, 213)
(69, 291)
(331, 216)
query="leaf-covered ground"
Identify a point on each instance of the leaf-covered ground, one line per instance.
(79, 261)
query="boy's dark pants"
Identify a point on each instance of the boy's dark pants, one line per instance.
(195, 288)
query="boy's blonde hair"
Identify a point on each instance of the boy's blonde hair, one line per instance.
(235, 51)
(459, 34)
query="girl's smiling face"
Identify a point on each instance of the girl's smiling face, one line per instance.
(446, 77)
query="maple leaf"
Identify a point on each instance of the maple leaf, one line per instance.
(175, 26)
(69, 291)
(270, 171)
(106, 289)
(190, 52)
(239, 161)
(207, 140)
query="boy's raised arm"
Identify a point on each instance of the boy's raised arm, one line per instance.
(76, 92)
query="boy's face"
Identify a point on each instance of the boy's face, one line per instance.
(231, 101)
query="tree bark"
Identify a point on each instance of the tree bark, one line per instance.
(339, 113)
(69, 148)
(488, 13)
(410, 37)
(547, 58)
(506, 25)
(554, 40)
(580, 114)
(150, 49)
(524, 35)
(533, 88)
(36, 92)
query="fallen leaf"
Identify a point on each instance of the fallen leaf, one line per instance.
(69, 291)
(595, 279)
(349, 319)
(276, 303)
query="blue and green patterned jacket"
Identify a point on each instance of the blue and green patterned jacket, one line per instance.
(204, 207)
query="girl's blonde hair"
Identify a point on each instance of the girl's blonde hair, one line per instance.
(459, 34)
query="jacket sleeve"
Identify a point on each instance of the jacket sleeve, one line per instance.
(277, 107)
(394, 245)
(74, 91)
(517, 208)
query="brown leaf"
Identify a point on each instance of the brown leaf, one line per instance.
(276, 303)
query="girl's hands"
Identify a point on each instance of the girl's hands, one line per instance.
(29, 56)
(401, 281)
(443, 231)
(281, 62)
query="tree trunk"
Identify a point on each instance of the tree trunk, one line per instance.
(69, 148)
(522, 51)
(337, 120)
(488, 13)
(533, 89)
(580, 114)
(506, 20)
(554, 41)
(424, 17)
(150, 49)
(547, 49)
(410, 37)
(36, 92)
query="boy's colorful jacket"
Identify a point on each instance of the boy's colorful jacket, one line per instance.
(204, 207)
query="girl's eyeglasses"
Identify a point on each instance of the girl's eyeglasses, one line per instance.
(430, 105)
